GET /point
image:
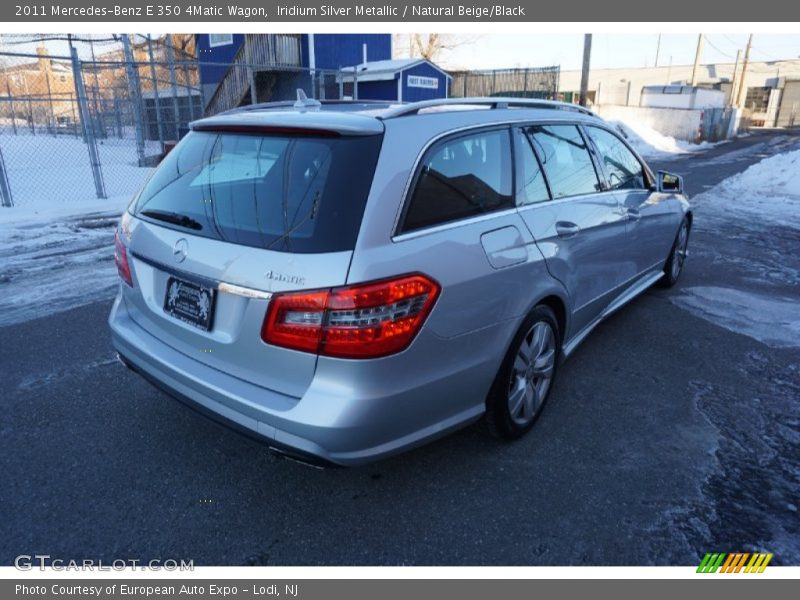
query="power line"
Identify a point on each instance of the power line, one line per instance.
(714, 46)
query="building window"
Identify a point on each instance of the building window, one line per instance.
(219, 39)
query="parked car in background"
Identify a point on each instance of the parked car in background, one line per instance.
(350, 280)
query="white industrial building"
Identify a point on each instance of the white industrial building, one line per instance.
(771, 95)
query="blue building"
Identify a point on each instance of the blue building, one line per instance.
(333, 51)
(401, 80)
(281, 63)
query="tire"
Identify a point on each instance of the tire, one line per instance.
(677, 256)
(524, 380)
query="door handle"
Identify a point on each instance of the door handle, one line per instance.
(566, 229)
(634, 214)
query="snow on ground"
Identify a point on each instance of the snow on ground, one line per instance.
(768, 190)
(56, 169)
(651, 144)
(56, 258)
(773, 321)
(759, 208)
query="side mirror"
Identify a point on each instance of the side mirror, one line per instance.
(670, 183)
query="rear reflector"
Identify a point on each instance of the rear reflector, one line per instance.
(121, 260)
(361, 321)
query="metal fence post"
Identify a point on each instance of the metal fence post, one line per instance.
(173, 80)
(157, 100)
(30, 116)
(88, 130)
(135, 99)
(5, 189)
(248, 54)
(117, 113)
(11, 100)
(187, 84)
(74, 116)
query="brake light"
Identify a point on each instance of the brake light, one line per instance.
(361, 321)
(121, 260)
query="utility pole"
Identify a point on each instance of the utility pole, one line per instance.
(740, 98)
(734, 79)
(697, 55)
(658, 49)
(587, 58)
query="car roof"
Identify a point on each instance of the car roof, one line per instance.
(359, 117)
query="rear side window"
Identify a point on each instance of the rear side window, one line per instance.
(296, 194)
(565, 159)
(623, 169)
(462, 177)
(531, 187)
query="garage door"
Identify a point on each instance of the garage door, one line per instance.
(789, 114)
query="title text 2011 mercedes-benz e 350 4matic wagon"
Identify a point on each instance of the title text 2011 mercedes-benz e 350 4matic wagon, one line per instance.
(349, 280)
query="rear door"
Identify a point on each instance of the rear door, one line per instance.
(578, 227)
(229, 218)
(650, 215)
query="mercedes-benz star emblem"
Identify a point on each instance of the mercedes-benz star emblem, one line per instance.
(179, 250)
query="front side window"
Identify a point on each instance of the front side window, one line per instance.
(565, 159)
(623, 169)
(460, 178)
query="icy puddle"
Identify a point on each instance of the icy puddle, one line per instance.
(771, 320)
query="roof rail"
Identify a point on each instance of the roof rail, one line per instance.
(493, 103)
(292, 104)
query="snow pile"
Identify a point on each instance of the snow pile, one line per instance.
(761, 206)
(56, 258)
(768, 190)
(651, 144)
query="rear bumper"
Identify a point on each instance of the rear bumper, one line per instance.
(354, 412)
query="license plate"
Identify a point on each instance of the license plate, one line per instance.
(189, 302)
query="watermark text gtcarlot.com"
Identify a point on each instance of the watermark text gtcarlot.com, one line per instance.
(28, 562)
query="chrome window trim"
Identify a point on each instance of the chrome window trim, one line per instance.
(456, 223)
(566, 120)
(453, 133)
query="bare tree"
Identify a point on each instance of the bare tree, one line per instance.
(430, 45)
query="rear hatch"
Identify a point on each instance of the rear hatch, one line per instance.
(238, 210)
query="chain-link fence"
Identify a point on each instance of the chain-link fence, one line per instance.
(539, 82)
(84, 117)
(89, 116)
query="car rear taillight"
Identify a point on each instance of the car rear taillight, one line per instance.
(121, 260)
(367, 320)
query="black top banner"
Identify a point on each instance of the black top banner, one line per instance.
(310, 11)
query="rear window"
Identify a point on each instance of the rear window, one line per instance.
(299, 194)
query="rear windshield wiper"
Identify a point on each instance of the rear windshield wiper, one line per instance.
(173, 217)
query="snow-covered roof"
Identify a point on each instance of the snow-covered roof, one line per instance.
(383, 70)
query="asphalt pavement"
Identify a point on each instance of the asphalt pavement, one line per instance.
(666, 437)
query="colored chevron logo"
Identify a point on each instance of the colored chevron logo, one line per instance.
(734, 562)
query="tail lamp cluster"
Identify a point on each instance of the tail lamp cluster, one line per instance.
(360, 321)
(121, 260)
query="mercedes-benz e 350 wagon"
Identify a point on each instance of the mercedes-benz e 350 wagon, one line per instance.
(349, 280)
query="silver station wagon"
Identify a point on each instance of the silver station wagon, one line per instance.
(348, 280)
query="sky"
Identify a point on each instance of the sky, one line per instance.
(497, 51)
(492, 51)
